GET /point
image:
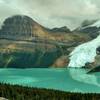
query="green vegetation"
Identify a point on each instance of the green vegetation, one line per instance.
(15, 92)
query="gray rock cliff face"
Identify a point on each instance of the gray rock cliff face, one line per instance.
(18, 26)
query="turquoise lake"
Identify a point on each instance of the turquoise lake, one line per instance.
(70, 79)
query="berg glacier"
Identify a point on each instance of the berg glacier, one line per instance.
(84, 53)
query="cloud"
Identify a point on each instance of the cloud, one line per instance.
(52, 13)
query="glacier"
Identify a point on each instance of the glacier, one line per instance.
(84, 53)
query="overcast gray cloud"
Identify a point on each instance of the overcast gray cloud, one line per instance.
(52, 13)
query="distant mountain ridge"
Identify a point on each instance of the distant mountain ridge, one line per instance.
(61, 29)
(91, 28)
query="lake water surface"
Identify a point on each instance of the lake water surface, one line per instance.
(70, 79)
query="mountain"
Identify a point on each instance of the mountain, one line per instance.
(25, 43)
(22, 27)
(63, 29)
(25, 28)
(90, 27)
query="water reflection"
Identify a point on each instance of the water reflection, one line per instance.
(81, 76)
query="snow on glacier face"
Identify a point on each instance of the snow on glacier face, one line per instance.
(84, 53)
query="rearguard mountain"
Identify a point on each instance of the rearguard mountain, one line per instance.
(26, 44)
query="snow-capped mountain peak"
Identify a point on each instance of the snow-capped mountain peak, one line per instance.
(96, 24)
(91, 27)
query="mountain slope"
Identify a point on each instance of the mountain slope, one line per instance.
(25, 43)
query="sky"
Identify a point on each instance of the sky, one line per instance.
(52, 13)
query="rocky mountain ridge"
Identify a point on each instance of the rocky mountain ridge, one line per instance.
(92, 28)
(25, 43)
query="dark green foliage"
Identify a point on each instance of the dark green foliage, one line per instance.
(15, 92)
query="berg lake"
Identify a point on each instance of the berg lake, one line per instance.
(70, 79)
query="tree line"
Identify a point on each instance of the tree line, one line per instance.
(16, 92)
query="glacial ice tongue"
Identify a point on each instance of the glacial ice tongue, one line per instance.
(84, 53)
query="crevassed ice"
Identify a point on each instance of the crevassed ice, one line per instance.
(84, 53)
